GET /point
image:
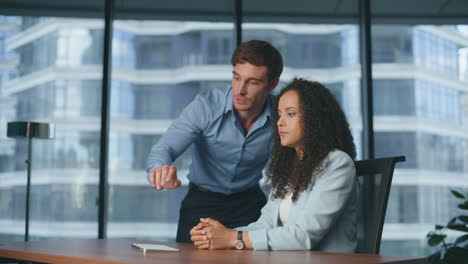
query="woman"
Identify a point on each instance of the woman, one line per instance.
(312, 205)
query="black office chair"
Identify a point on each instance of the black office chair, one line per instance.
(374, 180)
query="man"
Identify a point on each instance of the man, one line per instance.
(231, 135)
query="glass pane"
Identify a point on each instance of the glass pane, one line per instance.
(420, 105)
(326, 53)
(158, 68)
(50, 71)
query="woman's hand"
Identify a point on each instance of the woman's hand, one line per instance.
(199, 238)
(220, 236)
(211, 234)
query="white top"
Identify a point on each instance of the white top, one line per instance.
(285, 205)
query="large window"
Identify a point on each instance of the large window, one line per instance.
(159, 67)
(419, 91)
(145, 100)
(325, 53)
(51, 73)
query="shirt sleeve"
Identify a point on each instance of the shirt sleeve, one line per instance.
(328, 197)
(180, 135)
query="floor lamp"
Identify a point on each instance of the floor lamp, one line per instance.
(29, 130)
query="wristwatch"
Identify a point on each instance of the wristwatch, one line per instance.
(239, 243)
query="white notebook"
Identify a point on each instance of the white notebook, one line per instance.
(153, 247)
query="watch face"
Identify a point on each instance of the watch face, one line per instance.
(239, 244)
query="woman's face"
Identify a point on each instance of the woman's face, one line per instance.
(289, 120)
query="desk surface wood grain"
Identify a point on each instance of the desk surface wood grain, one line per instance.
(118, 251)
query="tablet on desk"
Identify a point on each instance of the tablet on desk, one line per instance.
(153, 247)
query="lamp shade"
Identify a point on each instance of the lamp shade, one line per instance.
(30, 130)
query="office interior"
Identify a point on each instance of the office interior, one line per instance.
(112, 81)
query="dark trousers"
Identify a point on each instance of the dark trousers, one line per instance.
(234, 210)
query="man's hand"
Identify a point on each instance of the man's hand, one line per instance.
(165, 177)
(211, 234)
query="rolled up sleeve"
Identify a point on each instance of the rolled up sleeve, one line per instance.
(179, 136)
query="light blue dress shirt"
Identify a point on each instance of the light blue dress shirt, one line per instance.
(323, 218)
(224, 160)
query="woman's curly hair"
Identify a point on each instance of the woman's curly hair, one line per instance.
(324, 128)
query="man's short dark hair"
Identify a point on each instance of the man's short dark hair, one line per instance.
(259, 53)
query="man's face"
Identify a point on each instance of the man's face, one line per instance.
(250, 87)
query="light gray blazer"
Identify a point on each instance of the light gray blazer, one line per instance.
(323, 218)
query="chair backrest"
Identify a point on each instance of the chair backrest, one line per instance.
(374, 179)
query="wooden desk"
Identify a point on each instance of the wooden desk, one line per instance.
(119, 251)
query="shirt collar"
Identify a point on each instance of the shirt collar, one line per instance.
(264, 116)
(228, 103)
